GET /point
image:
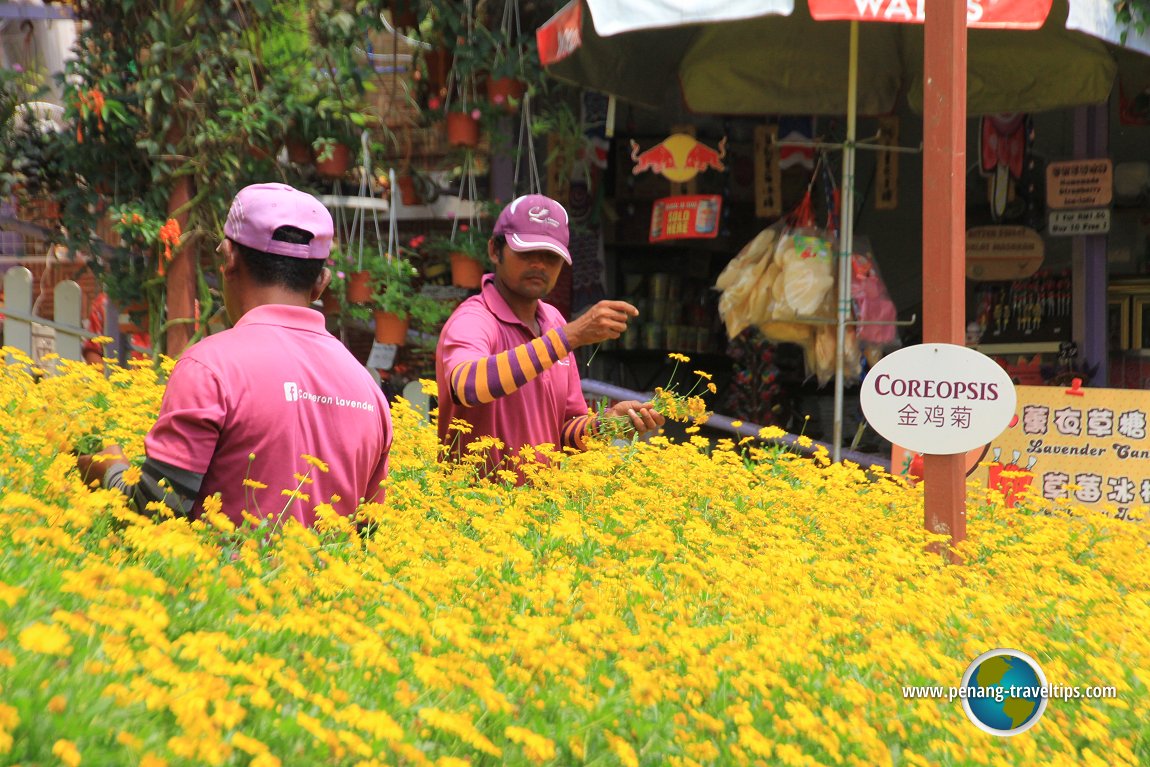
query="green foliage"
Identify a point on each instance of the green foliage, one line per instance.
(1132, 15)
(203, 92)
(465, 241)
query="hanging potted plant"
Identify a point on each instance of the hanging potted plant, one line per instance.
(396, 302)
(353, 270)
(463, 126)
(513, 69)
(466, 252)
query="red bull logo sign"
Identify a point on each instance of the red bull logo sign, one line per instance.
(678, 157)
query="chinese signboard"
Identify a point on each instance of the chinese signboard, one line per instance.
(689, 216)
(1080, 183)
(1067, 223)
(1090, 448)
(939, 399)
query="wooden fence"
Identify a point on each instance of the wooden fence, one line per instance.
(37, 337)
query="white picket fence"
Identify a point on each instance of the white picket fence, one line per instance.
(63, 335)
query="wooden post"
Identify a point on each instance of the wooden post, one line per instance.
(944, 233)
(181, 274)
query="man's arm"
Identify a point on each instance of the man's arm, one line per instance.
(159, 482)
(485, 379)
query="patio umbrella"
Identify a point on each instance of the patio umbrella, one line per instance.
(769, 57)
(791, 56)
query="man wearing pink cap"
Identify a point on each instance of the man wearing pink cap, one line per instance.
(274, 415)
(503, 363)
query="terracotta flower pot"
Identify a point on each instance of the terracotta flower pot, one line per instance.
(462, 129)
(337, 164)
(407, 191)
(359, 287)
(390, 329)
(439, 61)
(330, 301)
(466, 272)
(299, 152)
(506, 93)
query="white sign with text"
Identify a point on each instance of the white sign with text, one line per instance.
(939, 399)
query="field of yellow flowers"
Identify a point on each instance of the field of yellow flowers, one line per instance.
(658, 604)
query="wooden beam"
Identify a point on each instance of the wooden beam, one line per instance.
(944, 234)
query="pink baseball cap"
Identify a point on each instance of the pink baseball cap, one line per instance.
(535, 222)
(258, 210)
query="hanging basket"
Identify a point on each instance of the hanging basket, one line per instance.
(462, 129)
(439, 61)
(404, 13)
(466, 272)
(330, 301)
(299, 152)
(359, 287)
(506, 93)
(407, 191)
(389, 328)
(337, 164)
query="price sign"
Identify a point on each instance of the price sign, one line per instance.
(1070, 223)
(382, 356)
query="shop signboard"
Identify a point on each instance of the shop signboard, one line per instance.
(938, 399)
(1070, 223)
(1087, 446)
(1017, 14)
(995, 253)
(1079, 183)
(684, 217)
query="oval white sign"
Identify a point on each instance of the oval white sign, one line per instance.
(939, 399)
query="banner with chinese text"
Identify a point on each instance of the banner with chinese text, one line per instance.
(1090, 448)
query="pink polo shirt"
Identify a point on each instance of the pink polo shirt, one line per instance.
(279, 386)
(533, 414)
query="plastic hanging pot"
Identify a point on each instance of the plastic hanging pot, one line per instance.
(337, 164)
(462, 129)
(466, 272)
(506, 93)
(359, 287)
(389, 328)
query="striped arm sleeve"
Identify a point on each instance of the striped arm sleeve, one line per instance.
(575, 432)
(477, 382)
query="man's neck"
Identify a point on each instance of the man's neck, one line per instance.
(523, 308)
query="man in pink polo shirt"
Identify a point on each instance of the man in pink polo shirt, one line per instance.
(274, 415)
(504, 364)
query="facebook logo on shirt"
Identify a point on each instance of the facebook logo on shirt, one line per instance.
(291, 391)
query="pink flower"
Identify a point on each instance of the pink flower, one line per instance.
(463, 227)
(434, 102)
(417, 241)
(476, 114)
(499, 98)
(341, 275)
